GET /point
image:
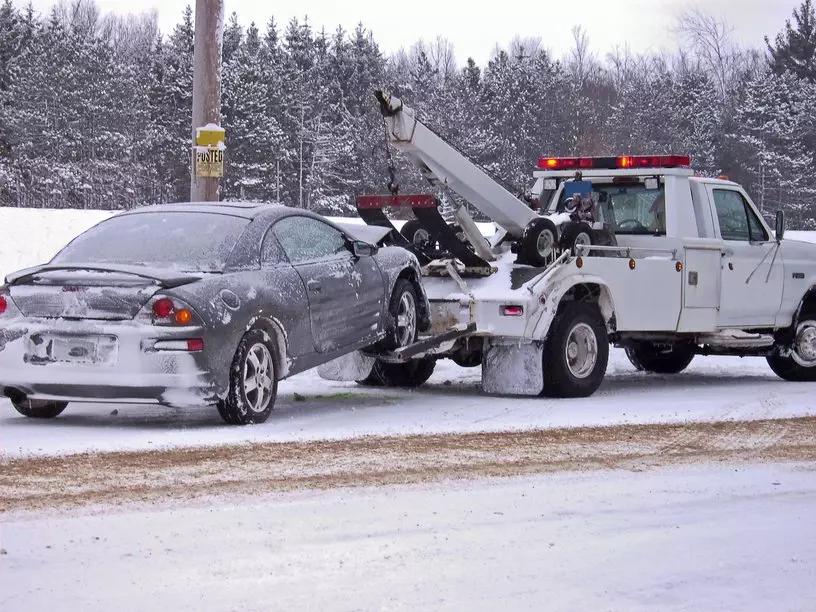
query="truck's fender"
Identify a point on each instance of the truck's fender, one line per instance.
(585, 287)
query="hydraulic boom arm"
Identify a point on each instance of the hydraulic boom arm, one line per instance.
(441, 164)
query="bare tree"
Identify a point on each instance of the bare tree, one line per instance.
(525, 48)
(130, 36)
(710, 39)
(581, 62)
(443, 59)
(79, 16)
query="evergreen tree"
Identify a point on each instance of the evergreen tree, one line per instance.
(795, 47)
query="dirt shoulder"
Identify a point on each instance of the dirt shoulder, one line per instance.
(152, 476)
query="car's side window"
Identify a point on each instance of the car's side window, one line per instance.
(271, 252)
(737, 220)
(306, 239)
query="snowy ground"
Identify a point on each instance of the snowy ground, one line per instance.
(712, 389)
(692, 538)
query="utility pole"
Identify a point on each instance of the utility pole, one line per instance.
(207, 163)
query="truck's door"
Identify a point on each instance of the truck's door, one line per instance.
(752, 269)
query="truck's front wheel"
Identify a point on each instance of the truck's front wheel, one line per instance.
(799, 365)
(576, 352)
(649, 357)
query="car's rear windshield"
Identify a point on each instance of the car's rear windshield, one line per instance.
(188, 241)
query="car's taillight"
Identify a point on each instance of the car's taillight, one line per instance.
(195, 344)
(3, 304)
(183, 316)
(163, 308)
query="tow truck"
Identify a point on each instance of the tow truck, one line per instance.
(633, 251)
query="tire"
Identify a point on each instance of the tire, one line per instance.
(568, 373)
(410, 374)
(469, 360)
(576, 233)
(402, 307)
(647, 357)
(253, 366)
(539, 241)
(800, 364)
(37, 409)
(417, 235)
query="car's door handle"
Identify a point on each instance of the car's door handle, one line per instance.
(314, 285)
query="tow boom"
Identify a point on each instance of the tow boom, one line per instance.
(443, 165)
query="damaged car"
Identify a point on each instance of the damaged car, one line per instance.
(191, 304)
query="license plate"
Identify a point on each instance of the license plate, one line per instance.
(72, 349)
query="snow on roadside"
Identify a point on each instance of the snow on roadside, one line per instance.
(718, 537)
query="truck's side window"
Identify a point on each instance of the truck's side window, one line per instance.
(737, 220)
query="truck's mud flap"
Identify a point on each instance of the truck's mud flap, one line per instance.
(354, 366)
(512, 367)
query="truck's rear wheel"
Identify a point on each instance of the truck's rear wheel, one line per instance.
(410, 374)
(576, 352)
(649, 357)
(800, 364)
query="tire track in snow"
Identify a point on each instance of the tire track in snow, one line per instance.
(247, 469)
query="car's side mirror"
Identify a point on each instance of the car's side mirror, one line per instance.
(362, 249)
(779, 226)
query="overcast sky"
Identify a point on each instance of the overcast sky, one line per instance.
(642, 24)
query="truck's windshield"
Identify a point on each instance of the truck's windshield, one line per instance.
(628, 208)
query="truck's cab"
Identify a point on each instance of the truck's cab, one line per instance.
(740, 282)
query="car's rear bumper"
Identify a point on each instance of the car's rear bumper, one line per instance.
(138, 372)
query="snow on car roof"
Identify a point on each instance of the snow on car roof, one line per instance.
(248, 210)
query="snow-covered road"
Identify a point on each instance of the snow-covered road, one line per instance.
(692, 538)
(309, 408)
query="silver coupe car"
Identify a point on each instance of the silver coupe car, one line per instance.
(190, 304)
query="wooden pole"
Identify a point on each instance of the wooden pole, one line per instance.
(209, 26)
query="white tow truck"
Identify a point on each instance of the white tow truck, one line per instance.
(632, 251)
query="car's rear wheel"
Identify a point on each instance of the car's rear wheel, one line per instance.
(37, 409)
(253, 381)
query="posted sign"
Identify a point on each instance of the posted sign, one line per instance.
(209, 151)
(209, 162)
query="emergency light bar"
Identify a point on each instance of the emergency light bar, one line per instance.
(614, 163)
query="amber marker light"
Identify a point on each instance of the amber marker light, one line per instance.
(183, 316)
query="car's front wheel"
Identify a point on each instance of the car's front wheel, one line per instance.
(404, 315)
(253, 381)
(37, 409)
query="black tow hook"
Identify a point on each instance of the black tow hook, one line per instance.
(385, 104)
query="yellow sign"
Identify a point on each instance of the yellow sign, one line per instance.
(209, 162)
(210, 135)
